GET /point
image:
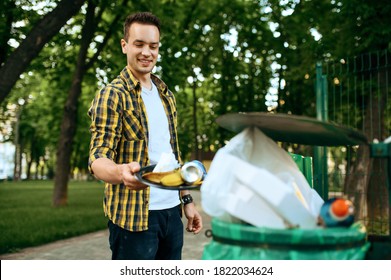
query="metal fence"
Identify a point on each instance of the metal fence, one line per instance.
(356, 92)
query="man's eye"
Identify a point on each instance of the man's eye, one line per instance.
(138, 45)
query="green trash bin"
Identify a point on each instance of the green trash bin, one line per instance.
(245, 242)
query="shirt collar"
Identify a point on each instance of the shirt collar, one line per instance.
(133, 83)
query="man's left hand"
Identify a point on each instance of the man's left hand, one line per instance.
(194, 220)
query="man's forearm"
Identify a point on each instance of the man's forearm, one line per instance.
(106, 170)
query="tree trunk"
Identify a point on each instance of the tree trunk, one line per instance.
(357, 180)
(366, 183)
(42, 169)
(28, 168)
(68, 125)
(8, 10)
(18, 150)
(20, 59)
(377, 197)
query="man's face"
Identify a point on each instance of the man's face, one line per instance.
(141, 48)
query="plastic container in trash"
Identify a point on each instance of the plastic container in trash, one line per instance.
(245, 242)
(337, 212)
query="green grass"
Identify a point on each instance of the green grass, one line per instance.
(27, 217)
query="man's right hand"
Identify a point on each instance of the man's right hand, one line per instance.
(108, 171)
(127, 171)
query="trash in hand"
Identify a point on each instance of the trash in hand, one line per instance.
(167, 162)
(193, 172)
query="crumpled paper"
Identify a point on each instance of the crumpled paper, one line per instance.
(167, 162)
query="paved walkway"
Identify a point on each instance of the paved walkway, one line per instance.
(94, 246)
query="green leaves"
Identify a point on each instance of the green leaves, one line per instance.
(216, 56)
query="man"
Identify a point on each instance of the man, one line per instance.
(133, 123)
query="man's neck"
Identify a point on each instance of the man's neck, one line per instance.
(144, 79)
(146, 84)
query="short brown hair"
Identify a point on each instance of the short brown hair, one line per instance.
(141, 17)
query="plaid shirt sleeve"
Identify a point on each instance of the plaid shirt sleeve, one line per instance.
(105, 128)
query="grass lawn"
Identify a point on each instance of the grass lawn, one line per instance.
(27, 217)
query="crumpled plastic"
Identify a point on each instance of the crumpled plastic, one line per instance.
(254, 180)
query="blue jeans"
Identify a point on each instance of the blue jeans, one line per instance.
(162, 241)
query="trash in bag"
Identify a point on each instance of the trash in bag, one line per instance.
(253, 180)
(336, 212)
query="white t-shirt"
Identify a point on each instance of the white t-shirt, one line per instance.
(159, 142)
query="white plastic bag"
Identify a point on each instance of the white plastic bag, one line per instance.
(254, 180)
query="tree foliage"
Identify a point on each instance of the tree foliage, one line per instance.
(32, 43)
(216, 56)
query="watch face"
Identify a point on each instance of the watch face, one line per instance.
(187, 199)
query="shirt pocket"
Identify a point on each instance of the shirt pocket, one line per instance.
(132, 125)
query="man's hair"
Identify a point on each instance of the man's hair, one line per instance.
(141, 17)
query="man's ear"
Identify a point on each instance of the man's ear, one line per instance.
(124, 46)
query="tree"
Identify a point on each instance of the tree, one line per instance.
(29, 48)
(213, 70)
(69, 120)
(360, 28)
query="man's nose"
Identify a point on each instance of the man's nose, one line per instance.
(146, 51)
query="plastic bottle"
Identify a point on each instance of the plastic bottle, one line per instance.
(336, 212)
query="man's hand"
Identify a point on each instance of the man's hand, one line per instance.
(194, 220)
(127, 172)
(108, 171)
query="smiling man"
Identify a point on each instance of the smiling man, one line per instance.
(142, 49)
(133, 122)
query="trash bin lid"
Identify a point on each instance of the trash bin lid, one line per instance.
(293, 129)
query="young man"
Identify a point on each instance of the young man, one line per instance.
(133, 123)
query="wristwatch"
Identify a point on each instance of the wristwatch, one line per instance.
(186, 199)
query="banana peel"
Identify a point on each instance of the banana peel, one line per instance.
(170, 178)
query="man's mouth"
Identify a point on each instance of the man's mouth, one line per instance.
(145, 62)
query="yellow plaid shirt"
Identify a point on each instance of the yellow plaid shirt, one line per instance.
(119, 131)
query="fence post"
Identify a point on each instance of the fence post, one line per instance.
(320, 153)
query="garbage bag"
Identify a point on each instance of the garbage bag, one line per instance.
(252, 179)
